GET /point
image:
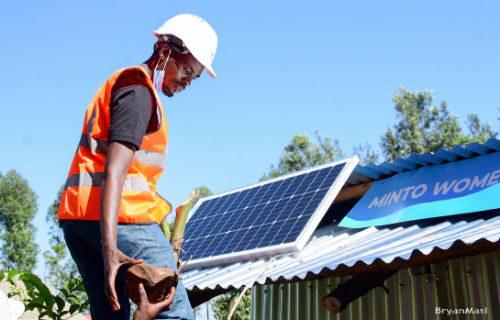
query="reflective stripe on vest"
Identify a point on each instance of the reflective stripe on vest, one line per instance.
(151, 158)
(142, 155)
(95, 145)
(140, 202)
(94, 179)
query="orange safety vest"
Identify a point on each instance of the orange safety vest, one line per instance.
(140, 202)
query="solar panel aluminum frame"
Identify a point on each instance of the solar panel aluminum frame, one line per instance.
(309, 228)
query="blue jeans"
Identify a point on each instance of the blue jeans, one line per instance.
(145, 241)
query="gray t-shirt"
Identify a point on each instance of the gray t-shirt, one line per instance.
(131, 111)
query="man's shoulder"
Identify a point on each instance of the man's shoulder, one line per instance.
(132, 76)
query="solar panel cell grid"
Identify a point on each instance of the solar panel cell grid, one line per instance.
(266, 215)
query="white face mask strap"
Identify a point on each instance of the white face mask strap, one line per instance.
(167, 60)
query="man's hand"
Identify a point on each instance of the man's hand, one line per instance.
(113, 260)
(149, 311)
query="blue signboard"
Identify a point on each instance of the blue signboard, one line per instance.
(434, 191)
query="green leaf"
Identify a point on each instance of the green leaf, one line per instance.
(28, 285)
(72, 296)
(11, 275)
(34, 305)
(12, 294)
(31, 294)
(42, 289)
(80, 288)
(60, 303)
(74, 308)
(73, 299)
(65, 293)
(42, 314)
(72, 284)
(63, 313)
(2, 275)
(36, 301)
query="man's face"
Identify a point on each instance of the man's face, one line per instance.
(180, 71)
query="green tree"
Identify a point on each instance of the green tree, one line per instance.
(366, 154)
(197, 311)
(54, 258)
(60, 269)
(204, 192)
(301, 154)
(424, 128)
(421, 127)
(477, 132)
(17, 209)
(223, 304)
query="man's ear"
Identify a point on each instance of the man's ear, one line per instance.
(164, 52)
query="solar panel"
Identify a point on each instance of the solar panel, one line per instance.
(271, 217)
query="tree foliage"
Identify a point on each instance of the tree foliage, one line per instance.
(478, 132)
(17, 209)
(366, 154)
(223, 304)
(426, 128)
(36, 295)
(204, 192)
(60, 269)
(301, 154)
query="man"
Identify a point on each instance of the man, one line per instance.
(110, 211)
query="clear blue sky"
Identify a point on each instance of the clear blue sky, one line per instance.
(284, 67)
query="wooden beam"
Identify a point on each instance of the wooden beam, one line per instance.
(198, 297)
(353, 192)
(345, 293)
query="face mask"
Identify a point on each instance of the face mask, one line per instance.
(159, 75)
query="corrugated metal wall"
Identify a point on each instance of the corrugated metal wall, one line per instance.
(471, 282)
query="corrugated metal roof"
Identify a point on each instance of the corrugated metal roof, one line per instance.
(461, 283)
(334, 246)
(374, 171)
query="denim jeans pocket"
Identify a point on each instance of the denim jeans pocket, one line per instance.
(127, 242)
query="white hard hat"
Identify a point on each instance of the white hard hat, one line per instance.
(10, 309)
(197, 35)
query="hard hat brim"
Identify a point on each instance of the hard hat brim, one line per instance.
(211, 72)
(16, 309)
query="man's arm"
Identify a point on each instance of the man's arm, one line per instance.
(118, 160)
